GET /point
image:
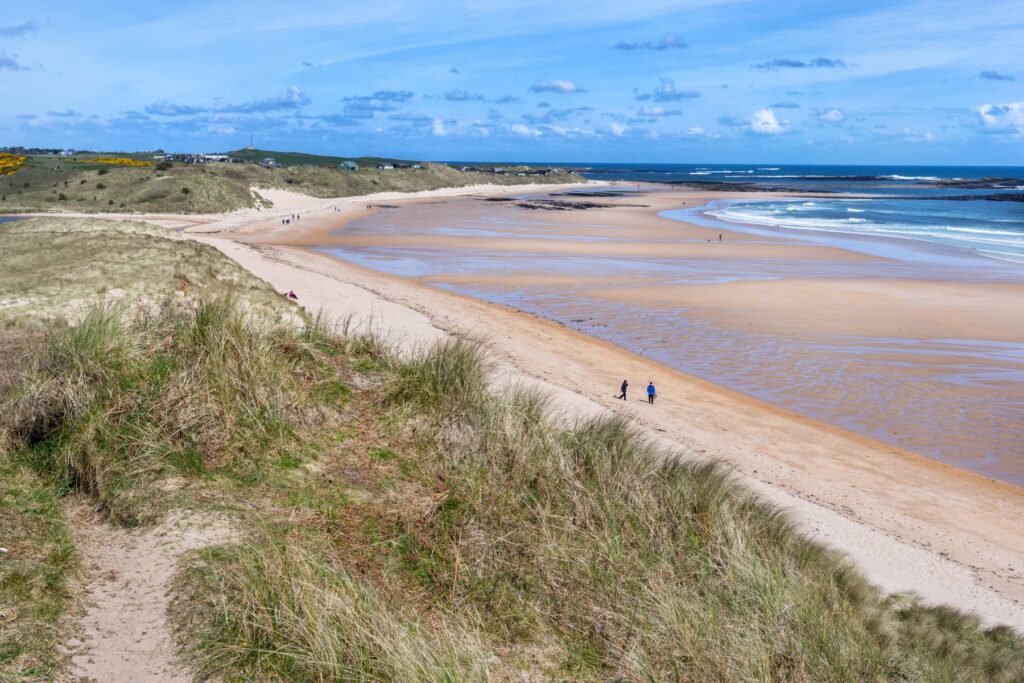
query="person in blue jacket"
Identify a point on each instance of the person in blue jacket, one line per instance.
(651, 393)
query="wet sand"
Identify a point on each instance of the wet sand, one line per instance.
(924, 355)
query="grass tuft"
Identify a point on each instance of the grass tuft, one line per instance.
(116, 403)
(449, 377)
(289, 616)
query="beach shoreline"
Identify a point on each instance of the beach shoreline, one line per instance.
(859, 339)
(908, 522)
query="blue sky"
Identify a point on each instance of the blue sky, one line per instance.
(918, 82)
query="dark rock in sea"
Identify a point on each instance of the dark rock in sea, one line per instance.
(563, 205)
(599, 193)
(980, 183)
(719, 186)
(1001, 197)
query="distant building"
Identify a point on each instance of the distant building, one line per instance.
(348, 166)
(269, 163)
(499, 170)
(417, 165)
(385, 167)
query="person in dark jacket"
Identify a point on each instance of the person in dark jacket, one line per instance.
(625, 385)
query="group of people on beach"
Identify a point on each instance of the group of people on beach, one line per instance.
(651, 391)
(288, 221)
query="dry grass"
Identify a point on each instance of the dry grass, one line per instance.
(46, 185)
(52, 269)
(116, 403)
(423, 528)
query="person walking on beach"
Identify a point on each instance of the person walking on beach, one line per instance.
(625, 385)
(651, 393)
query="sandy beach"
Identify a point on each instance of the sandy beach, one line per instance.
(864, 341)
(909, 522)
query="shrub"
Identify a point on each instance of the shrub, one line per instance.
(10, 163)
(185, 190)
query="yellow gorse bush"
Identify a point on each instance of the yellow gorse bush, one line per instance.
(9, 163)
(114, 161)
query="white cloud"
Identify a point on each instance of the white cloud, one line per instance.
(831, 116)
(617, 129)
(561, 87)
(439, 129)
(699, 132)
(648, 110)
(764, 122)
(666, 92)
(1003, 118)
(572, 132)
(525, 131)
(914, 136)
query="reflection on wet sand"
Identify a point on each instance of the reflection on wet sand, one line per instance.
(920, 353)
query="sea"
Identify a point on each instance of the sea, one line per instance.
(975, 209)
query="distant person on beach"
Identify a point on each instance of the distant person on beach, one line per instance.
(625, 385)
(719, 237)
(292, 295)
(651, 393)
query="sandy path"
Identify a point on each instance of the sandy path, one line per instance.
(910, 523)
(124, 634)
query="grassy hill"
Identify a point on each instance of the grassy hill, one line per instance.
(49, 183)
(302, 159)
(398, 518)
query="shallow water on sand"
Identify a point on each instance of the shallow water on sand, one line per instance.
(959, 400)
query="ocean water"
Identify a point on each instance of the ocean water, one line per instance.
(901, 202)
(987, 228)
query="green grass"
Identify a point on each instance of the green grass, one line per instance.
(293, 616)
(49, 184)
(302, 159)
(403, 522)
(38, 573)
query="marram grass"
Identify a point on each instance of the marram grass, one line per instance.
(492, 543)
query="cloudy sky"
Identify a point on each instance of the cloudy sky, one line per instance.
(922, 81)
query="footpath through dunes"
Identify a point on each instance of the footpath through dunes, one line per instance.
(911, 523)
(125, 632)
